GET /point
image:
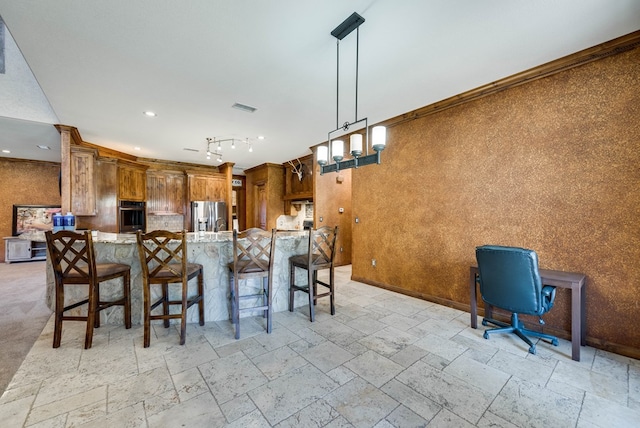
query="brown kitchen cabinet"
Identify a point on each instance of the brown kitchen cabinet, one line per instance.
(83, 183)
(165, 192)
(298, 179)
(264, 192)
(132, 182)
(208, 187)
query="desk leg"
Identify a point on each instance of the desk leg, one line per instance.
(577, 321)
(473, 303)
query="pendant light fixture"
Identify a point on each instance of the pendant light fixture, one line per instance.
(378, 133)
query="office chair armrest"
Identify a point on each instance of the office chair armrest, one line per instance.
(548, 297)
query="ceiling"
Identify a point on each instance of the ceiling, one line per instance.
(98, 66)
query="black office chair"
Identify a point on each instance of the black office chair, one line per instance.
(509, 279)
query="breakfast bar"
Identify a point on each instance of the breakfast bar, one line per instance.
(213, 250)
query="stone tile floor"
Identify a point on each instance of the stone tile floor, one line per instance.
(384, 360)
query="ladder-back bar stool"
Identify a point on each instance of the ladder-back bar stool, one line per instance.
(73, 261)
(163, 258)
(253, 255)
(319, 256)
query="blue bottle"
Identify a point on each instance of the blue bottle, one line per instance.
(69, 221)
(58, 222)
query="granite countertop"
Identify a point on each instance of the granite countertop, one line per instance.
(130, 238)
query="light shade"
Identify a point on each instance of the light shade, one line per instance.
(355, 145)
(323, 155)
(379, 137)
(337, 150)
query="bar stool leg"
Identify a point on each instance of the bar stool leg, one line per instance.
(292, 279)
(57, 328)
(165, 303)
(183, 313)
(332, 289)
(96, 322)
(312, 302)
(147, 315)
(92, 310)
(126, 280)
(201, 301)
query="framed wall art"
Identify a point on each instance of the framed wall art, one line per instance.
(33, 218)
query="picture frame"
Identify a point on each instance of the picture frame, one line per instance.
(33, 218)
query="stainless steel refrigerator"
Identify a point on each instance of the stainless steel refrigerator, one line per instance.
(208, 216)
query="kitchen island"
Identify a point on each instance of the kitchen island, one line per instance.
(213, 251)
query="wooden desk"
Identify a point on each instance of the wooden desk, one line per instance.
(571, 280)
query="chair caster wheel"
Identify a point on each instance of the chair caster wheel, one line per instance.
(532, 350)
(485, 323)
(554, 342)
(485, 335)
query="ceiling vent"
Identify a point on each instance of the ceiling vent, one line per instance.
(244, 107)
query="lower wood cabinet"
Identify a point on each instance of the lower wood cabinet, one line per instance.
(19, 250)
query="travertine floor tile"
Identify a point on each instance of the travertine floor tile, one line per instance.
(288, 394)
(384, 360)
(526, 404)
(326, 355)
(461, 398)
(374, 368)
(362, 404)
(231, 376)
(279, 362)
(200, 411)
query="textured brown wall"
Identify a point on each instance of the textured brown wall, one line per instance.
(25, 183)
(552, 165)
(330, 196)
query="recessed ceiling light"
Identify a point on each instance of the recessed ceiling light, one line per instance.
(44, 147)
(6, 151)
(136, 148)
(260, 137)
(149, 114)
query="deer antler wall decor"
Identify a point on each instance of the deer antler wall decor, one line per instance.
(298, 170)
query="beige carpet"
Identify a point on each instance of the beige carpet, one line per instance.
(23, 313)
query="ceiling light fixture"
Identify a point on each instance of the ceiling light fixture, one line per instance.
(219, 147)
(378, 133)
(149, 113)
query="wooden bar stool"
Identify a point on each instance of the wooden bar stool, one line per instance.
(163, 258)
(253, 255)
(320, 255)
(73, 261)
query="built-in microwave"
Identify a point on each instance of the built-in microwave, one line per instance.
(132, 216)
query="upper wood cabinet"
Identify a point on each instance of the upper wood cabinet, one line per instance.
(165, 192)
(83, 184)
(132, 182)
(298, 178)
(264, 187)
(208, 187)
